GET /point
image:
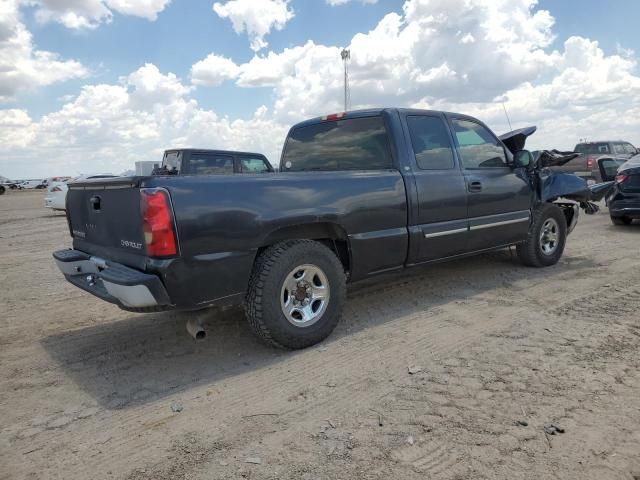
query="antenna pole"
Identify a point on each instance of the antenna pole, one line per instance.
(507, 115)
(346, 56)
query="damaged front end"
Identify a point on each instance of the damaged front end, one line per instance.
(551, 186)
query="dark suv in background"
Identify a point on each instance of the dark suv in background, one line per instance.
(586, 165)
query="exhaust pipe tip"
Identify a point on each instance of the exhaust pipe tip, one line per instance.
(195, 328)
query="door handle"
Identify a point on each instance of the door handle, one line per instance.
(475, 186)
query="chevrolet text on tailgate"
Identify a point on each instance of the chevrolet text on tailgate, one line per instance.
(358, 194)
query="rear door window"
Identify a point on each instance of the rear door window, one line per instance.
(431, 143)
(477, 146)
(172, 161)
(210, 164)
(618, 148)
(253, 165)
(351, 144)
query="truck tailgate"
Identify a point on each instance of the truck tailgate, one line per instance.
(105, 219)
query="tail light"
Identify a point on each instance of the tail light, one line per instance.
(157, 221)
(56, 189)
(590, 162)
(621, 178)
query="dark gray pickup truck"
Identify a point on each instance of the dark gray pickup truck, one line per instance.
(358, 194)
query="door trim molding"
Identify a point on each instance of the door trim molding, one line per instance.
(499, 224)
(446, 232)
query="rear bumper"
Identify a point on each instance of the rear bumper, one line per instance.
(625, 205)
(53, 203)
(631, 212)
(112, 282)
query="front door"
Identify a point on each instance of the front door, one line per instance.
(439, 224)
(498, 200)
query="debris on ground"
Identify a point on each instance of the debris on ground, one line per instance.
(522, 423)
(552, 429)
(414, 369)
(254, 460)
(177, 407)
(410, 440)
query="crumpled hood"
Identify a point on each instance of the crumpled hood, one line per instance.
(516, 139)
(554, 185)
(567, 185)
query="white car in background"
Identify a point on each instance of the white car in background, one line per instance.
(31, 184)
(57, 191)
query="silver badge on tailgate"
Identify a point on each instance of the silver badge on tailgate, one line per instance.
(128, 244)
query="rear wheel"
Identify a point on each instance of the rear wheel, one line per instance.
(296, 293)
(546, 239)
(2, 189)
(621, 220)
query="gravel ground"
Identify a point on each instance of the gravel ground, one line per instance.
(497, 352)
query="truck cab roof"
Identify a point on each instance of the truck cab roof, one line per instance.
(215, 151)
(375, 111)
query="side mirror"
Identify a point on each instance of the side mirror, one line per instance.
(522, 159)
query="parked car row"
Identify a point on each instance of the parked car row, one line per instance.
(57, 191)
(185, 161)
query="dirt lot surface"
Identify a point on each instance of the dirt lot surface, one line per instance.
(498, 350)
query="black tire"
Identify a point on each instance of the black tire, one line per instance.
(2, 189)
(263, 301)
(531, 252)
(621, 220)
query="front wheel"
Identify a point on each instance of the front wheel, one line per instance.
(296, 293)
(546, 239)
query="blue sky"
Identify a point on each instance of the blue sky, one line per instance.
(95, 85)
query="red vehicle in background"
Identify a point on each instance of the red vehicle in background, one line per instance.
(586, 165)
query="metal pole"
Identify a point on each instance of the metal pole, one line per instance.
(507, 115)
(346, 55)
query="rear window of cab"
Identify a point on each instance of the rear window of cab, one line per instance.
(599, 147)
(349, 144)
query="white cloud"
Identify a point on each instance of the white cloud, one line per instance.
(256, 17)
(148, 9)
(108, 127)
(89, 14)
(22, 66)
(213, 70)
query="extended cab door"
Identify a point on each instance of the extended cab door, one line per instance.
(252, 164)
(498, 200)
(438, 226)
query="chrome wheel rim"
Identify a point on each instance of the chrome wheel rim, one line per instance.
(549, 236)
(304, 295)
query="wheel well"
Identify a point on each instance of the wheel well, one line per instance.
(569, 211)
(330, 235)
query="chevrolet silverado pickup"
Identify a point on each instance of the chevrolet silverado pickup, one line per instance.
(358, 194)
